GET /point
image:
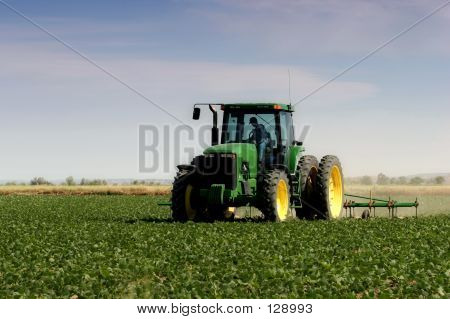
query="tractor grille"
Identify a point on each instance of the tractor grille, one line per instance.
(217, 169)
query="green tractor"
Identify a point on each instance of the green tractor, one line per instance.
(257, 163)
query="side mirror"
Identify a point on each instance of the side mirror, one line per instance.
(196, 114)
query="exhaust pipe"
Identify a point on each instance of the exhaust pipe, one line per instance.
(215, 128)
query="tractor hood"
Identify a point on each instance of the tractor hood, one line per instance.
(236, 148)
(245, 152)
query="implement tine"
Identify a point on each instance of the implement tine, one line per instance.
(417, 205)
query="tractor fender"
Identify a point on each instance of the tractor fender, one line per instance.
(185, 167)
(190, 169)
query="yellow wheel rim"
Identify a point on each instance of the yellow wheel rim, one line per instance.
(335, 192)
(190, 212)
(282, 200)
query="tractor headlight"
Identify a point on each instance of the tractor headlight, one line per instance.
(223, 155)
(233, 156)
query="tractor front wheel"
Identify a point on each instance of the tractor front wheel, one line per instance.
(275, 204)
(184, 206)
(330, 187)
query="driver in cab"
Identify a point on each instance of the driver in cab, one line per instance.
(260, 137)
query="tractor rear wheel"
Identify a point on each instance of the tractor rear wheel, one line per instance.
(308, 169)
(275, 204)
(183, 198)
(330, 188)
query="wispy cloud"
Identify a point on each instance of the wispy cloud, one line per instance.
(191, 81)
(329, 26)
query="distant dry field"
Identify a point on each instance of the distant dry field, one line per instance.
(377, 190)
(86, 190)
(402, 190)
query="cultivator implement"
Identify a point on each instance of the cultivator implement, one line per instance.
(373, 204)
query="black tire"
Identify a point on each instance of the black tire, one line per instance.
(308, 169)
(180, 212)
(275, 185)
(330, 188)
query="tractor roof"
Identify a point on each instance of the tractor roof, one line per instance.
(258, 106)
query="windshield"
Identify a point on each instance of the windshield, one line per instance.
(249, 127)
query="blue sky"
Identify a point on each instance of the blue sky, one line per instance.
(60, 116)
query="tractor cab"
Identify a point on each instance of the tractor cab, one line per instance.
(268, 126)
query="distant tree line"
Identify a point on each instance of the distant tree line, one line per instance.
(382, 179)
(39, 181)
(145, 182)
(93, 182)
(70, 181)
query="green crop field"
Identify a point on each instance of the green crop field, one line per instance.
(127, 247)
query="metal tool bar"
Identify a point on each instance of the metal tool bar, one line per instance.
(364, 197)
(375, 204)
